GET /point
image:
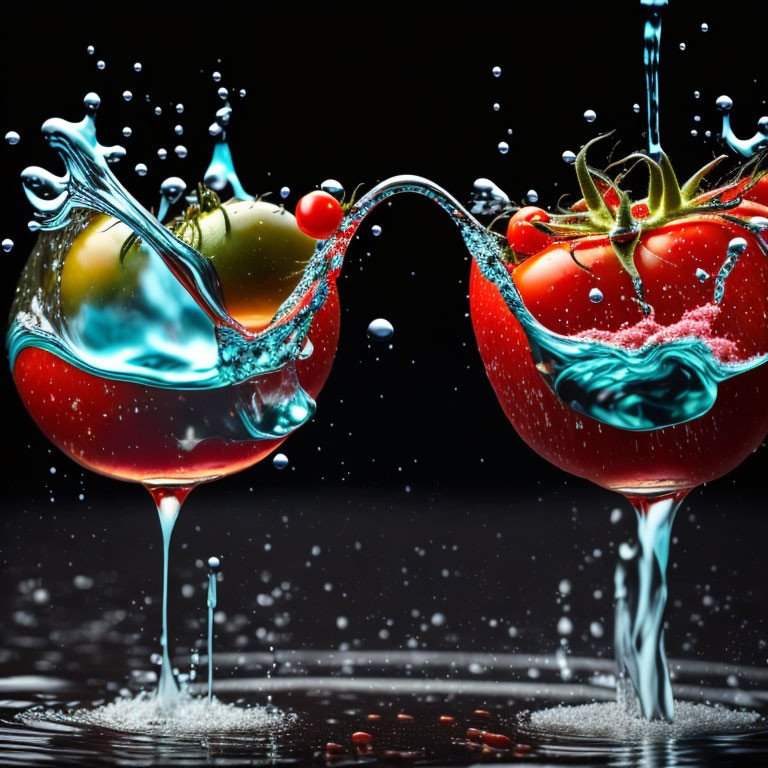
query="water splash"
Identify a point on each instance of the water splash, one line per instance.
(651, 46)
(745, 147)
(644, 688)
(214, 566)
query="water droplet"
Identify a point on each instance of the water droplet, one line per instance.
(7, 245)
(178, 130)
(162, 153)
(215, 129)
(280, 461)
(307, 349)
(590, 115)
(141, 169)
(697, 94)
(626, 551)
(172, 189)
(12, 137)
(284, 192)
(704, 26)
(181, 151)
(724, 103)
(180, 108)
(333, 188)
(342, 622)
(438, 619)
(101, 64)
(91, 50)
(532, 195)
(158, 111)
(564, 626)
(694, 132)
(564, 587)
(635, 107)
(496, 106)
(92, 102)
(701, 275)
(496, 71)
(737, 246)
(595, 295)
(596, 629)
(137, 67)
(127, 131)
(380, 329)
(503, 147)
(375, 230)
(223, 93)
(127, 95)
(216, 77)
(682, 46)
(242, 93)
(214, 564)
(569, 157)
(616, 514)
(156, 659)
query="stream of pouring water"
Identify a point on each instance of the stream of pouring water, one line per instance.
(214, 565)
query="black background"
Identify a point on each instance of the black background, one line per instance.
(360, 92)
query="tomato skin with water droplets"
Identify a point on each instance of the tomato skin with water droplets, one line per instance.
(556, 289)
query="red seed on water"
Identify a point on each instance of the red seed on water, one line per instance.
(333, 747)
(374, 717)
(522, 749)
(402, 716)
(497, 740)
(481, 713)
(445, 719)
(361, 737)
(474, 733)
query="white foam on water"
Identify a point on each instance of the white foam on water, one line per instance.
(610, 721)
(189, 716)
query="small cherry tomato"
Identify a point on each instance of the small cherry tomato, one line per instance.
(522, 235)
(319, 214)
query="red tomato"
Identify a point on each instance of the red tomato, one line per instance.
(522, 235)
(556, 291)
(131, 432)
(319, 214)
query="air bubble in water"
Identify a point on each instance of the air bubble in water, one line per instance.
(590, 115)
(12, 137)
(595, 295)
(380, 329)
(724, 103)
(280, 461)
(503, 147)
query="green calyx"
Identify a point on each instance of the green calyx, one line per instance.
(606, 210)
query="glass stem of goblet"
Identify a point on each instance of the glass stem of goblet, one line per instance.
(644, 688)
(168, 501)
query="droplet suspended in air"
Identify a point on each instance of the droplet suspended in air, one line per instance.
(223, 93)
(12, 137)
(216, 77)
(724, 103)
(127, 95)
(682, 46)
(569, 157)
(532, 195)
(178, 130)
(595, 295)
(701, 275)
(284, 192)
(635, 107)
(503, 147)
(91, 50)
(242, 93)
(181, 151)
(162, 153)
(496, 71)
(590, 115)
(141, 169)
(7, 245)
(375, 230)
(704, 26)
(180, 108)
(158, 111)
(137, 67)
(380, 329)
(280, 461)
(92, 102)
(214, 564)
(127, 131)
(173, 188)
(100, 64)
(333, 188)
(496, 106)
